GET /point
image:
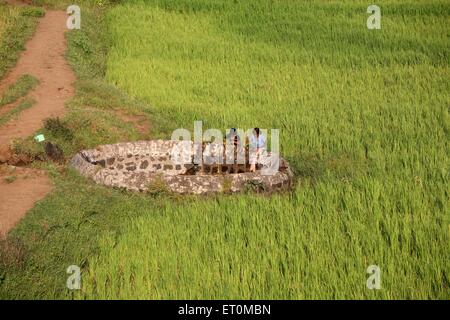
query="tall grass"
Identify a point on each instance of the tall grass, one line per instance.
(16, 26)
(364, 121)
(314, 244)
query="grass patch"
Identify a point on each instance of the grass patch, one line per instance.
(84, 4)
(254, 186)
(23, 105)
(15, 29)
(33, 12)
(158, 187)
(12, 254)
(10, 179)
(19, 89)
(28, 150)
(58, 128)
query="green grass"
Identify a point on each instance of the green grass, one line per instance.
(23, 105)
(63, 230)
(91, 118)
(364, 122)
(44, 243)
(33, 12)
(84, 4)
(17, 24)
(19, 89)
(276, 250)
(10, 179)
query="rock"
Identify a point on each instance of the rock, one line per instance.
(54, 152)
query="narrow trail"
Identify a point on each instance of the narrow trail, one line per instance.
(20, 195)
(43, 57)
(19, 2)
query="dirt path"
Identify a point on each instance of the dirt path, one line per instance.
(43, 58)
(20, 188)
(19, 2)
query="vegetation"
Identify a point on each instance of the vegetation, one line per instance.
(19, 89)
(33, 12)
(23, 105)
(157, 187)
(10, 179)
(92, 117)
(44, 245)
(364, 122)
(16, 26)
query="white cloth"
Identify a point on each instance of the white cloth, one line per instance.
(257, 148)
(258, 142)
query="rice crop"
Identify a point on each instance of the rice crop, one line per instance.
(364, 121)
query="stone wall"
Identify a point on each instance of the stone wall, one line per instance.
(136, 165)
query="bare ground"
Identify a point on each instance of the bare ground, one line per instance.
(20, 188)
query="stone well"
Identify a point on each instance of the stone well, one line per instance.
(137, 165)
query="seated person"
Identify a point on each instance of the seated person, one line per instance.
(232, 137)
(257, 147)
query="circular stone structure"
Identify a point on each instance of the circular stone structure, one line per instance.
(140, 165)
